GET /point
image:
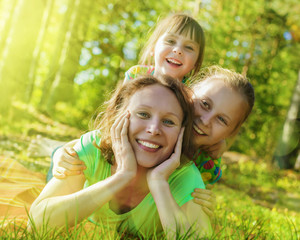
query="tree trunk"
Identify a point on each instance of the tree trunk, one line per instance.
(288, 147)
(297, 163)
(55, 59)
(39, 44)
(62, 86)
(6, 42)
(8, 21)
(17, 51)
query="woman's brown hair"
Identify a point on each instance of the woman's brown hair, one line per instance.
(120, 99)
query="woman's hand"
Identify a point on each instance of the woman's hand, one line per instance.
(167, 167)
(206, 199)
(123, 152)
(66, 162)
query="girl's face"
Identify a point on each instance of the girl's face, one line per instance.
(155, 123)
(218, 111)
(175, 55)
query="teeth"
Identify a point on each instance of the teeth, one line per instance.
(198, 130)
(174, 61)
(147, 144)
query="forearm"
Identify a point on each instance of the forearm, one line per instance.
(58, 211)
(176, 219)
(172, 218)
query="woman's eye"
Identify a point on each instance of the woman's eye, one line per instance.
(222, 120)
(168, 122)
(143, 115)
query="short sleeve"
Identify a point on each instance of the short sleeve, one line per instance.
(209, 168)
(87, 152)
(138, 70)
(183, 182)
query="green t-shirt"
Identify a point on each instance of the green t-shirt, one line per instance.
(209, 168)
(144, 217)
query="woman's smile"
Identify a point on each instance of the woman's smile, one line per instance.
(155, 122)
(148, 146)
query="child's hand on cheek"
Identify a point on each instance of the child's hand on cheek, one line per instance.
(167, 167)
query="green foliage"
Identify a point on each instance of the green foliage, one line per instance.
(77, 51)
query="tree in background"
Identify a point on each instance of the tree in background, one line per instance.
(75, 51)
(288, 149)
(17, 46)
(255, 39)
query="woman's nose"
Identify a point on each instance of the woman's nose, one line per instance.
(154, 128)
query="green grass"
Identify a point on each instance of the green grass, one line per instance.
(229, 226)
(254, 200)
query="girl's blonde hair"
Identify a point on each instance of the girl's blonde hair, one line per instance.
(234, 80)
(120, 98)
(177, 23)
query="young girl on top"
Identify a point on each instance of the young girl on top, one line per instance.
(175, 48)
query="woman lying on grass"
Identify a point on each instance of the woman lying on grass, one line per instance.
(131, 161)
(222, 102)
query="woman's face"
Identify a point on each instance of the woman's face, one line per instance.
(155, 123)
(218, 111)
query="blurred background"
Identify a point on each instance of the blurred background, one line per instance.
(63, 57)
(59, 60)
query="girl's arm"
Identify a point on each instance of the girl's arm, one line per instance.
(206, 199)
(175, 219)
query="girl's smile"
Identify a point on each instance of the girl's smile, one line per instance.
(216, 119)
(175, 55)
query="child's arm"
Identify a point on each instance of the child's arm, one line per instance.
(211, 172)
(175, 220)
(66, 161)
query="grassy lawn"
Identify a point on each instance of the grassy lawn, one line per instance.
(254, 200)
